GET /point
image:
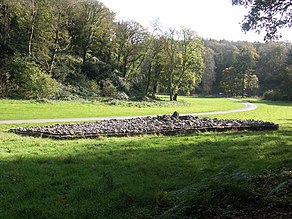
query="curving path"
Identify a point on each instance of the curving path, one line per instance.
(248, 106)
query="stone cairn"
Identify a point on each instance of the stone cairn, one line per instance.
(165, 124)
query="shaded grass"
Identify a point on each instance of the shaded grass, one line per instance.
(147, 176)
(89, 178)
(11, 109)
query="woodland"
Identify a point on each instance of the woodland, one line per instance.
(74, 49)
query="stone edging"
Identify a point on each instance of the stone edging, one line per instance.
(166, 125)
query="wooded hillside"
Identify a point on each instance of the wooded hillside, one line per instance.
(76, 48)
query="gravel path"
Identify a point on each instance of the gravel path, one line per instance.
(248, 106)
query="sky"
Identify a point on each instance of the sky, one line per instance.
(215, 19)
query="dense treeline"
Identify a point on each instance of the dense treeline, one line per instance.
(244, 68)
(68, 48)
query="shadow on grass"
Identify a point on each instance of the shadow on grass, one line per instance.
(270, 102)
(130, 177)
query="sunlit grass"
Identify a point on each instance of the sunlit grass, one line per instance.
(11, 109)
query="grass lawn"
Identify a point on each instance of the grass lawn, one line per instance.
(10, 109)
(227, 174)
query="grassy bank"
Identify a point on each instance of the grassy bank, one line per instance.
(229, 174)
(10, 109)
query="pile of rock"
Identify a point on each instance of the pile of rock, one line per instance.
(166, 124)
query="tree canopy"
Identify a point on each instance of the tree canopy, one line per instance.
(77, 48)
(269, 16)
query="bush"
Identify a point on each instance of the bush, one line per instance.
(122, 96)
(76, 92)
(26, 80)
(108, 89)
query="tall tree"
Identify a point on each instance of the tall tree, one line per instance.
(60, 37)
(91, 21)
(129, 42)
(171, 50)
(286, 85)
(5, 32)
(246, 63)
(185, 64)
(209, 75)
(226, 54)
(231, 81)
(272, 58)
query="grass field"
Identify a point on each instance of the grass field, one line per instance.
(231, 174)
(10, 109)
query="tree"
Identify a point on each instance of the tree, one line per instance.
(286, 85)
(209, 75)
(23, 78)
(152, 61)
(60, 38)
(246, 63)
(91, 23)
(251, 82)
(275, 71)
(225, 56)
(156, 65)
(185, 64)
(272, 60)
(129, 44)
(231, 81)
(5, 28)
(269, 16)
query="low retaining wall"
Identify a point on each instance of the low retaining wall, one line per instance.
(166, 125)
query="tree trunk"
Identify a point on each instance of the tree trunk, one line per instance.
(6, 23)
(55, 51)
(154, 88)
(124, 67)
(170, 91)
(53, 58)
(170, 85)
(243, 83)
(148, 78)
(84, 55)
(31, 32)
(175, 97)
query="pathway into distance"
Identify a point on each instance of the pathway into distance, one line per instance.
(247, 107)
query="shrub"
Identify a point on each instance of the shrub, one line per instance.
(122, 96)
(76, 92)
(108, 89)
(27, 80)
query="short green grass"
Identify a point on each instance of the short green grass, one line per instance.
(149, 176)
(11, 109)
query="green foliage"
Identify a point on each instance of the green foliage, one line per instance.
(273, 95)
(209, 75)
(26, 80)
(231, 193)
(184, 62)
(76, 92)
(129, 45)
(231, 81)
(78, 41)
(108, 89)
(66, 67)
(269, 16)
(122, 96)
